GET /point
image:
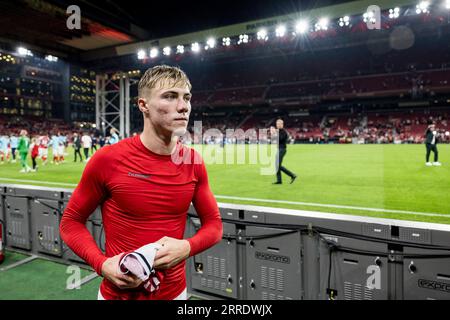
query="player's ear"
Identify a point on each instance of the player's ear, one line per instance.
(143, 105)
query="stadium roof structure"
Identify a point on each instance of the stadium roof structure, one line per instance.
(41, 26)
(331, 12)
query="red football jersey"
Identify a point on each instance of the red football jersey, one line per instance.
(144, 196)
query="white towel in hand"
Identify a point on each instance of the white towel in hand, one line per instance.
(140, 263)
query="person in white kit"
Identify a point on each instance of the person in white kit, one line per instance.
(43, 148)
(86, 142)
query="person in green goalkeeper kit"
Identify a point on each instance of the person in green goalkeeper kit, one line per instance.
(23, 146)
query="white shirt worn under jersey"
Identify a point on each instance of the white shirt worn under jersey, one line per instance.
(86, 141)
(434, 137)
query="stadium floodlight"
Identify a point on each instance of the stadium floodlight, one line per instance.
(210, 43)
(51, 58)
(243, 38)
(422, 7)
(180, 49)
(344, 21)
(166, 51)
(301, 27)
(370, 17)
(322, 24)
(141, 54)
(226, 41)
(447, 4)
(280, 31)
(154, 52)
(24, 52)
(394, 13)
(262, 35)
(195, 47)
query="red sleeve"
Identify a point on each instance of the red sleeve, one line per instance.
(205, 204)
(89, 193)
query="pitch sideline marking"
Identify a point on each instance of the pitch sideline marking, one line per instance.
(39, 181)
(311, 204)
(20, 262)
(334, 206)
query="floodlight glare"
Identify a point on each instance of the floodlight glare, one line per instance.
(195, 47)
(180, 49)
(51, 58)
(243, 38)
(422, 7)
(211, 43)
(167, 51)
(24, 52)
(344, 21)
(226, 41)
(322, 24)
(301, 27)
(280, 31)
(394, 13)
(262, 35)
(154, 52)
(141, 54)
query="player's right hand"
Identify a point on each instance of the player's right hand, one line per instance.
(110, 270)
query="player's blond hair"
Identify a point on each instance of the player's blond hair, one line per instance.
(162, 75)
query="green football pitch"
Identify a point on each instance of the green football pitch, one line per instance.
(386, 181)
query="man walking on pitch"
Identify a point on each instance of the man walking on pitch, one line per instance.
(431, 139)
(77, 147)
(145, 192)
(282, 136)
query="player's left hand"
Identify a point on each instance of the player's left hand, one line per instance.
(172, 252)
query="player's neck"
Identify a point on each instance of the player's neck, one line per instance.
(158, 143)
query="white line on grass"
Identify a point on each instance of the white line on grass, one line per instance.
(275, 201)
(39, 181)
(334, 206)
(19, 263)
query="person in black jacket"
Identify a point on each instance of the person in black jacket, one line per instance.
(77, 147)
(283, 137)
(431, 140)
